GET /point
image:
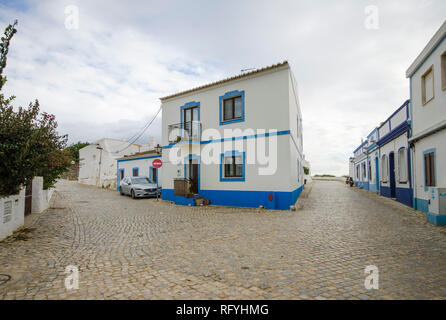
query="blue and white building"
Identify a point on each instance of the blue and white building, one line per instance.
(395, 158)
(139, 164)
(427, 76)
(373, 161)
(360, 164)
(212, 136)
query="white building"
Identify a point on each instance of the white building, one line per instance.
(428, 137)
(213, 134)
(97, 161)
(139, 164)
(360, 166)
(373, 161)
(395, 158)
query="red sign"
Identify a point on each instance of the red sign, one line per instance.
(157, 163)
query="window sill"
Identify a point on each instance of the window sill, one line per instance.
(426, 102)
(232, 179)
(222, 123)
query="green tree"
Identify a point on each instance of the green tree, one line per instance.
(74, 149)
(29, 143)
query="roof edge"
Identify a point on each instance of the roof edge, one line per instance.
(236, 77)
(436, 39)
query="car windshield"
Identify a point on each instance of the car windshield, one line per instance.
(141, 181)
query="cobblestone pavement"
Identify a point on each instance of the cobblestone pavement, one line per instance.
(144, 249)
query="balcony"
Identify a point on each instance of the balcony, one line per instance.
(184, 132)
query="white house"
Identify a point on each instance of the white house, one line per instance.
(139, 164)
(97, 161)
(360, 176)
(395, 158)
(235, 142)
(373, 161)
(427, 76)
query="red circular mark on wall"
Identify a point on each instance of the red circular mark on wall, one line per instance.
(270, 197)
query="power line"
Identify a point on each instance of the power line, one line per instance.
(144, 129)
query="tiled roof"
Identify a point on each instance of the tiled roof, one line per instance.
(242, 75)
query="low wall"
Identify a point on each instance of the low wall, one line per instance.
(41, 198)
(12, 214)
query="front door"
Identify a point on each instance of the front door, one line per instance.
(392, 174)
(377, 173)
(193, 176)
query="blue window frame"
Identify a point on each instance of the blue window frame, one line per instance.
(135, 172)
(237, 113)
(228, 164)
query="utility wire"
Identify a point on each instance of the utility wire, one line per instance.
(136, 136)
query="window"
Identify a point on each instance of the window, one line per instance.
(443, 71)
(402, 165)
(232, 166)
(135, 172)
(357, 172)
(364, 171)
(427, 85)
(232, 107)
(370, 171)
(384, 169)
(429, 169)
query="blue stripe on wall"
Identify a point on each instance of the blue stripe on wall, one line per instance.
(281, 200)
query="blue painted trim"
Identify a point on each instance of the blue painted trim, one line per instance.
(186, 162)
(187, 106)
(232, 153)
(396, 132)
(142, 158)
(118, 180)
(228, 95)
(137, 170)
(436, 219)
(362, 144)
(281, 200)
(157, 175)
(432, 150)
(254, 136)
(422, 205)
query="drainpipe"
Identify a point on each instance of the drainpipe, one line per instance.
(100, 163)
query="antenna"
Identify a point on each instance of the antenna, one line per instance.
(248, 69)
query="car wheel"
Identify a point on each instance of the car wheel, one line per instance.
(133, 194)
(120, 191)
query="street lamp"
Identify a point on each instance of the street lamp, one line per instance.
(158, 149)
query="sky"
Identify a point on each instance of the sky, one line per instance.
(104, 77)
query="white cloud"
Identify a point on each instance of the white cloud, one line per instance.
(106, 77)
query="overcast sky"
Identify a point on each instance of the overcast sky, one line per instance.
(104, 78)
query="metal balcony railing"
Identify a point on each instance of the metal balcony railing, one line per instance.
(185, 131)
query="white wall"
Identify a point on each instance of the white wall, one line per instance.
(437, 142)
(143, 166)
(103, 174)
(41, 198)
(17, 217)
(269, 104)
(434, 111)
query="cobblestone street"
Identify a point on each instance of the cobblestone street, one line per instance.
(144, 249)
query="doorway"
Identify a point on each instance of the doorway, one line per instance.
(377, 173)
(28, 198)
(392, 175)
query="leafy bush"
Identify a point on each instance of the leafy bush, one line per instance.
(29, 143)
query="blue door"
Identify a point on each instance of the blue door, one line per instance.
(377, 173)
(392, 174)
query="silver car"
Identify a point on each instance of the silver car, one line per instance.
(139, 187)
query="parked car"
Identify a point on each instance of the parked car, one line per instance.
(139, 187)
